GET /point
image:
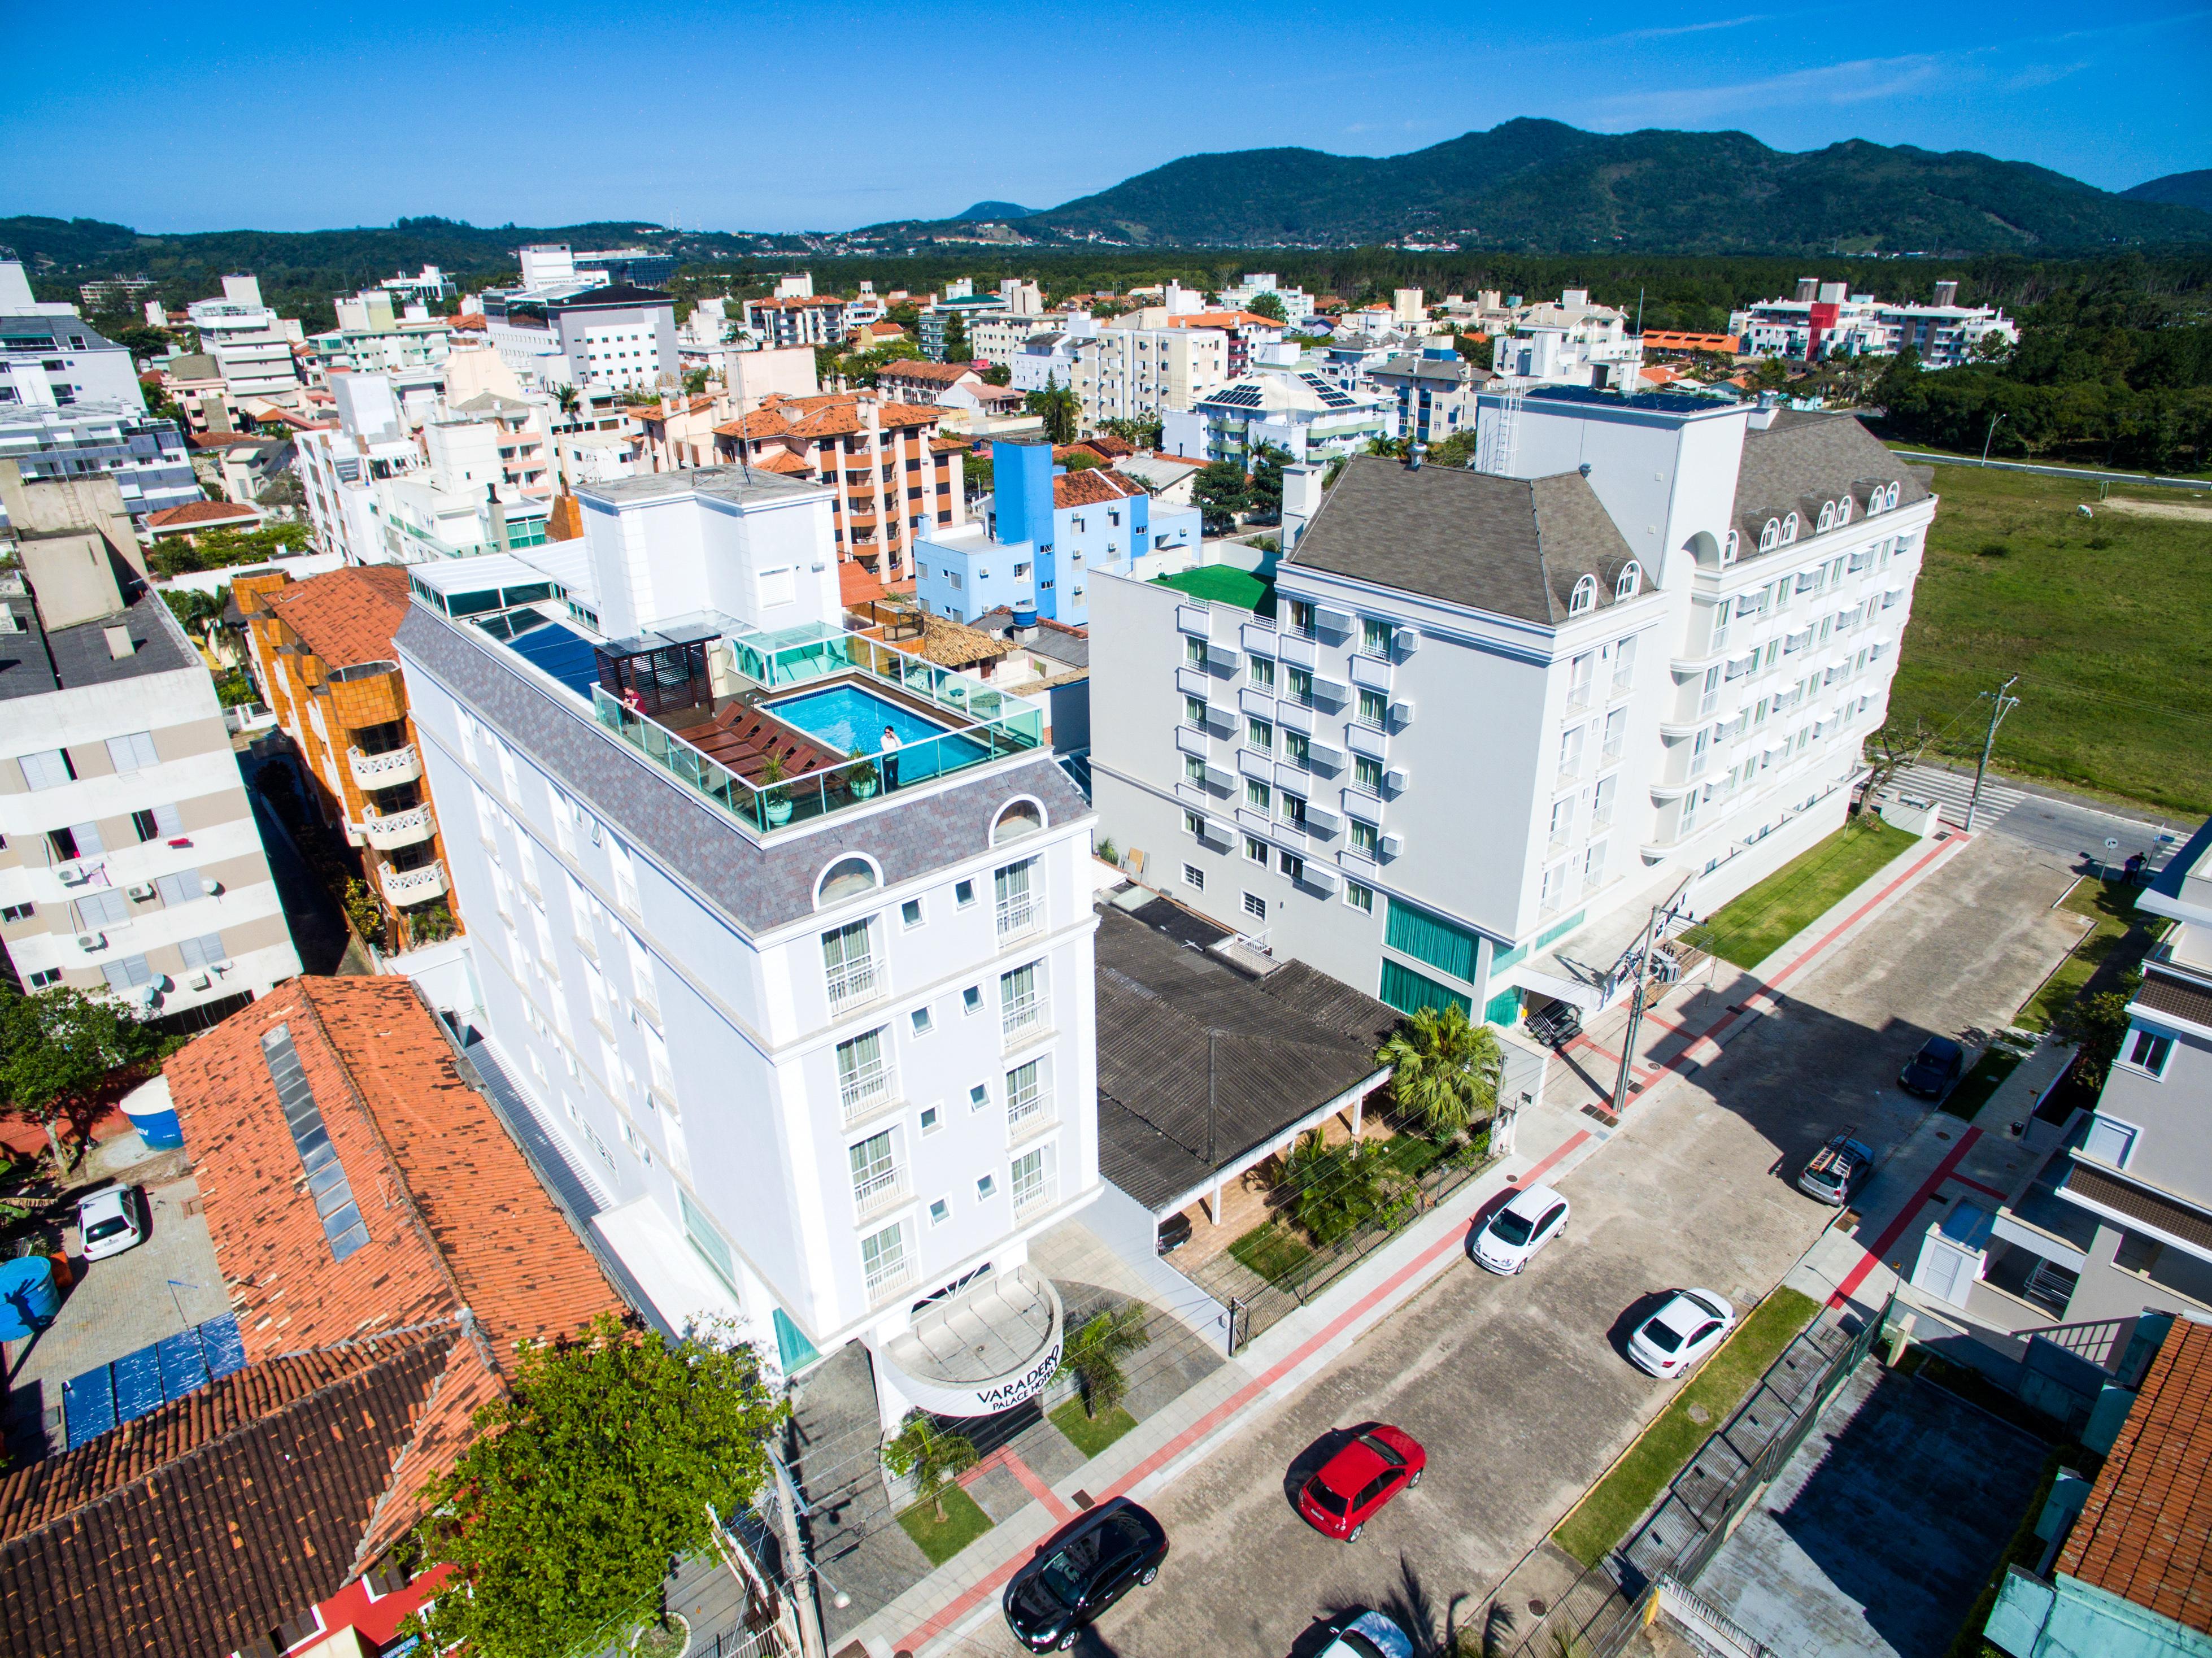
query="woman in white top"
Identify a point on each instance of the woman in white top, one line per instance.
(891, 759)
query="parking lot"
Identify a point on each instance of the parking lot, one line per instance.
(1516, 1385)
(116, 1306)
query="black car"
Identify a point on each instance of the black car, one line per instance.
(1930, 1072)
(1557, 1025)
(1079, 1573)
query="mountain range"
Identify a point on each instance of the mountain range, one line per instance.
(2187, 189)
(1542, 186)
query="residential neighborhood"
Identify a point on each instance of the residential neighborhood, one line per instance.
(989, 934)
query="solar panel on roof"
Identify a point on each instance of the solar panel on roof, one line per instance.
(224, 1347)
(341, 1217)
(88, 1404)
(138, 1384)
(184, 1365)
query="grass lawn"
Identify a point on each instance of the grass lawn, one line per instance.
(963, 1523)
(1750, 928)
(1272, 1250)
(1617, 1501)
(1088, 1437)
(2107, 620)
(1975, 1087)
(2107, 947)
(1224, 584)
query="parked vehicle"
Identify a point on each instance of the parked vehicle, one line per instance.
(1371, 1634)
(1930, 1072)
(111, 1222)
(1174, 1232)
(1557, 1025)
(1672, 1339)
(1519, 1230)
(1351, 1488)
(1837, 1169)
(1081, 1571)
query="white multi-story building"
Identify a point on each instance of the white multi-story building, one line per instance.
(1493, 716)
(251, 343)
(1286, 403)
(1827, 320)
(821, 1029)
(51, 357)
(611, 337)
(130, 860)
(1297, 304)
(1122, 371)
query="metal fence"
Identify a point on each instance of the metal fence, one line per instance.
(1602, 1610)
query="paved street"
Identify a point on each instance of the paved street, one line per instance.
(1516, 1385)
(2050, 820)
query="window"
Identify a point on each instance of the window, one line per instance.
(1290, 809)
(863, 1078)
(1367, 775)
(47, 768)
(1359, 898)
(939, 1211)
(128, 974)
(1254, 905)
(180, 888)
(96, 910)
(1300, 617)
(1297, 748)
(1193, 711)
(923, 1024)
(162, 822)
(1770, 536)
(874, 1172)
(1031, 1181)
(1016, 819)
(1194, 824)
(1256, 849)
(1584, 596)
(1788, 529)
(910, 913)
(929, 1119)
(1374, 707)
(978, 1097)
(1364, 837)
(1257, 795)
(1261, 670)
(1376, 637)
(1194, 771)
(1630, 581)
(848, 877)
(883, 1259)
(1292, 866)
(964, 894)
(971, 1000)
(2148, 1051)
(1261, 735)
(985, 1185)
(18, 911)
(51, 975)
(134, 752)
(2109, 1141)
(1194, 877)
(1194, 651)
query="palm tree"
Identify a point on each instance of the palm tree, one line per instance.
(1095, 1352)
(1444, 1069)
(934, 1459)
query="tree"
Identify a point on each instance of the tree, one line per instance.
(933, 1459)
(1094, 1354)
(1061, 408)
(1267, 483)
(1444, 1069)
(569, 398)
(1894, 751)
(561, 1518)
(1476, 348)
(1458, 450)
(1220, 494)
(1141, 433)
(1269, 306)
(364, 912)
(955, 338)
(998, 374)
(57, 1047)
(694, 382)
(143, 341)
(2099, 1024)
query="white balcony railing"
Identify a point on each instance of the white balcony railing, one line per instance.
(855, 984)
(889, 1278)
(862, 1092)
(1032, 1195)
(387, 769)
(388, 830)
(1029, 1110)
(880, 1192)
(1018, 917)
(413, 886)
(1022, 1019)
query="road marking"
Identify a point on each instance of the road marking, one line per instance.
(1952, 790)
(1896, 1229)
(1990, 1190)
(1006, 1457)
(966, 1602)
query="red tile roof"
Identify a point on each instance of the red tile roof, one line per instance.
(925, 373)
(200, 514)
(346, 616)
(2146, 1533)
(832, 415)
(1093, 487)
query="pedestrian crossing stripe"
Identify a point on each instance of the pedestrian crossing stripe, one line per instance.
(1952, 790)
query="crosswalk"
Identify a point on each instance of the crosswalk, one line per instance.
(1951, 790)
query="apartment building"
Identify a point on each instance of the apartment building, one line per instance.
(1284, 403)
(1297, 304)
(252, 345)
(51, 357)
(1825, 319)
(1246, 331)
(1041, 533)
(147, 457)
(814, 1014)
(895, 479)
(616, 336)
(1436, 389)
(321, 653)
(1478, 721)
(1124, 373)
(373, 338)
(129, 857)
(779, 322)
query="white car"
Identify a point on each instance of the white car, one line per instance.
(1371, 1634)
(111, 1222)
(1672, 1339)
(1518, 1230)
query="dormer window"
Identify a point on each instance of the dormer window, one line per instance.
(1630, 581)
(1729, 550)
(1789, 529)
(1584, 596)
(1827, 517)
(1889, 498)
(1770, 536)
(1843, 510)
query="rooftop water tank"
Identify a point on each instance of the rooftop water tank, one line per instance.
(29, 1296)
(1026, 614)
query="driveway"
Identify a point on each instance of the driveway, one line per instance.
(1516, 1385)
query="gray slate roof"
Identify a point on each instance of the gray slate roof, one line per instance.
(80, 655)
(758, 887)
(1281, 1046)
(1512, 546)
(1806, 458)
(1060, 645)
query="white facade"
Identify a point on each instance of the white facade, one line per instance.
(251, 343)
(1824, 319)
(1284, 403)
(1487, 795)
(1122, 371)
(849, 1060)
(1297, 304)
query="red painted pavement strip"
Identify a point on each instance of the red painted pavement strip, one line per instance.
(1905, 1216)
(1991, 1190)
(967, 1601)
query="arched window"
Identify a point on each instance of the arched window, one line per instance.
(1729, 550)
(1584, 595)
(1789, 529)
(1770, 536)
(1630, 581)
(1827, 517)
(1843, 510)
(1889, 498)
(1873, 500)
(1019, 819)
(848, 877)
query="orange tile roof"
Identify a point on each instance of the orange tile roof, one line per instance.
(1092, 488)
(855, 584)
(2146, 1533)
(831, 414)
(474, 321)
(925, 373)
(456, 1218)
(783, 461)
(197, 513)
(347, 616)
(566, 521)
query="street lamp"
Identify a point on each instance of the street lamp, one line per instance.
(1986, 440)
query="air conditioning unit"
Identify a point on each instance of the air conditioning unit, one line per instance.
(1393, 845)
(1401, 713)
(142, 892)
(91, 941)
(211, 886)
(201, 981)
(1408, 640)
(1395, 780)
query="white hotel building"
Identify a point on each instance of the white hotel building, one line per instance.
(822, 1032)
(1494, 717)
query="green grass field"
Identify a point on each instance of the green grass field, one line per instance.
(1272, 1250)
(1619, 1500)
(1752, 927)
(2118, 940)
(962, 1524)
(2107, 620)
(1088, 1437)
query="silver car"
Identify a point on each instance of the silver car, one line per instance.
(1672, 1340)
(111, 1222)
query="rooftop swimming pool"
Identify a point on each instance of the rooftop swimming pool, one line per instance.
(849, 718)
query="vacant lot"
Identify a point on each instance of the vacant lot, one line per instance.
(2107, 620)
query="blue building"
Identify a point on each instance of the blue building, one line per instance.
(1040, 534)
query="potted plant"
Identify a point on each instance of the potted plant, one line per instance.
(861, 779)
(775, 800)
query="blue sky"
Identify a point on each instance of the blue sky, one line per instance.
(747, 117)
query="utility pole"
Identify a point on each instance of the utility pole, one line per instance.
(799, 1571)
(1639, 973)
(2000, 705)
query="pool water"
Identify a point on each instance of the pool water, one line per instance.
(844, 718)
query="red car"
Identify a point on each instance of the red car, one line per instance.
(1374, 1465)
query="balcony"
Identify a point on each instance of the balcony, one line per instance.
(387, 831)
(880, 1192)
(1299, 650)
(1372, 671)
(1022, 1021)
(1194, 682)
(1034, 1195)
(1259, 636)
(1365, 740)
(1018, 917)
(863, 1093)
(1195, 620)
(1030, 1113)
(403, 887)
(1253, 700)
(856, 984)
(386, 770)
(1190, 739)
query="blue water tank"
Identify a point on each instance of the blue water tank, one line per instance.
(1026, 613)
(28, 1299)
(155, 1120)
